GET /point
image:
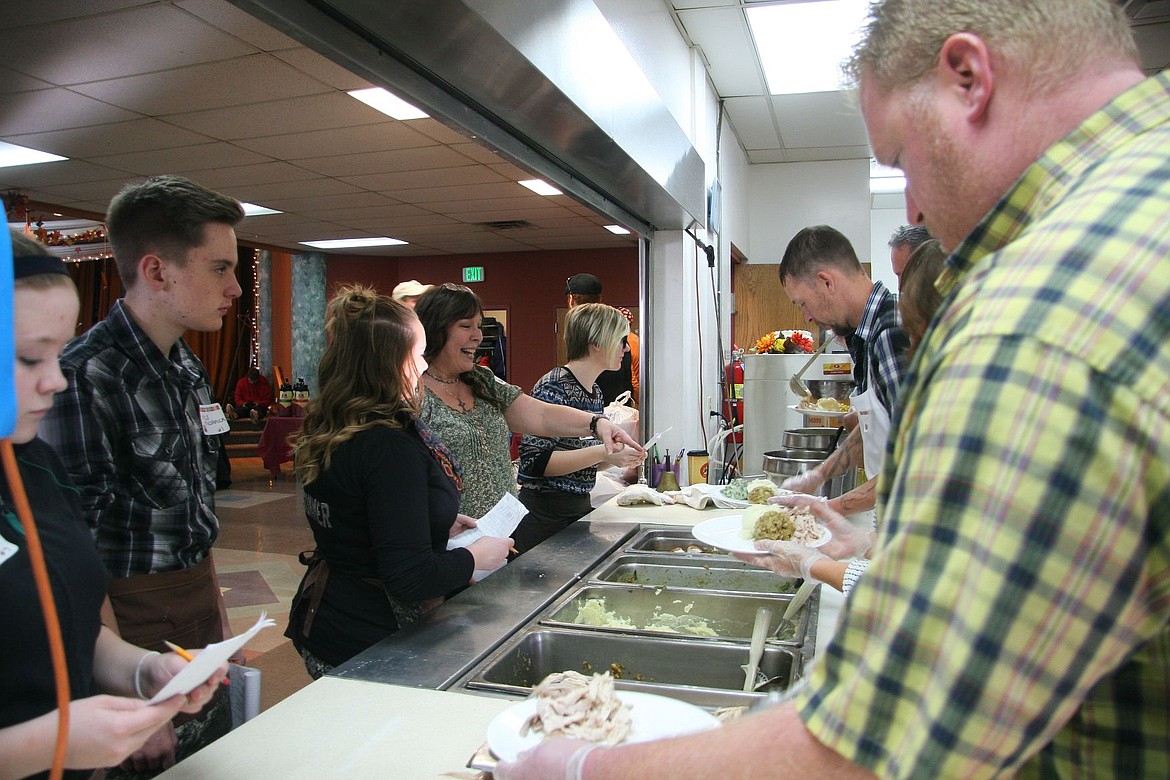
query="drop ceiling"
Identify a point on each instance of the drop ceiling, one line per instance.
(127, 88)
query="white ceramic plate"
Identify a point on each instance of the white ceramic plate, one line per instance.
(652, 717)
(817, 412)
(726, 533)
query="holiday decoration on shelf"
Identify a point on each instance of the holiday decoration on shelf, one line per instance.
(784, 342)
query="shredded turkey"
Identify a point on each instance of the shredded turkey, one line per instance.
(577, 706)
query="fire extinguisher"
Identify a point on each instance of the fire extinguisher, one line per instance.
(733, 393)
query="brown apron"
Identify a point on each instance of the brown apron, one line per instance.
(180, 606)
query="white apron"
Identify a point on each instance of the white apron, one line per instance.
(874, 421)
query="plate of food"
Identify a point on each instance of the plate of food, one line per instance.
(588, 708)
(743, 492)
(738, 533)
(813, 411)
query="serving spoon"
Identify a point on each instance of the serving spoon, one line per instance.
(795, 383)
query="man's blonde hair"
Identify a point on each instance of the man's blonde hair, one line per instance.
(1054, 38)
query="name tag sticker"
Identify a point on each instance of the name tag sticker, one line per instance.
(7, 549)
(212, 419)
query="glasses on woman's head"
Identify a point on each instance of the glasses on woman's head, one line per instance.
(455, 287)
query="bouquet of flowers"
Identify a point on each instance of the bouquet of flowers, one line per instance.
(784, 342)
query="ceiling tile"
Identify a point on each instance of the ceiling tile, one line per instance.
(397, 224)
(722, 34)
(12, 81)
(324, 70)
(119, 137)
(819, 119)
(382, 136)
(201, 86)
(481, 154)
(392, 183)
(294, 115)
(20, 14)
(433, 128)
(57, 173)
(311, 187)
(54, 109)
(823, 153)
(260, 173)
(766, 156)
(753, 121)
(238, 23)
(461, 208)
(360, 168)
(182, 158)
(297, 203)
(142, 39)
(440, 195)
(681, 4)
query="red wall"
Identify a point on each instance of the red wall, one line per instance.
(530, 285)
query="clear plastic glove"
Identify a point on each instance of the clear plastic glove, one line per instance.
(559, 757)
(808, 482)
(788, 559)
(642, 494)
(848, 540)
(797, 499)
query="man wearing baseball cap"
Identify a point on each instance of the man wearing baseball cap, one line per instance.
(409, 292)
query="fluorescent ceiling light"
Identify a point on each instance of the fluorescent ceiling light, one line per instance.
(11, 154)
(540, 187)
(252, 210)
(353, 243)
(388, 103)
(617, 230)
(801, 45)
(883, 178)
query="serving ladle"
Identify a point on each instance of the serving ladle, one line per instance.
(795, 383)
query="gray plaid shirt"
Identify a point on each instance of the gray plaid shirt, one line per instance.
(129, 433)
(879, 337)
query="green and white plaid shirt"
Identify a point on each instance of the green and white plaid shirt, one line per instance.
(1015, 617)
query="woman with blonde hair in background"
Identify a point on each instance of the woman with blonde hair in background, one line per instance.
(381, 491)
(557, 473)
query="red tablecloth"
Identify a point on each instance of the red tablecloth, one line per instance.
(275, 447)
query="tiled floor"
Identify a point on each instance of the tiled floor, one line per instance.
(262, 528)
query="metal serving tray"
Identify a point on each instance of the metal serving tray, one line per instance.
(675, 541)
(707, 674)
(654, 611)
(695, 573)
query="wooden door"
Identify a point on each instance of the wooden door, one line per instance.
(761, 305)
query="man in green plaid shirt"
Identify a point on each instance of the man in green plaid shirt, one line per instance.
(1014, 620)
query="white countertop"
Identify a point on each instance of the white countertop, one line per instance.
(351, 729)
(355, 729)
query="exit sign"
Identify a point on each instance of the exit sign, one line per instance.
(473, 273)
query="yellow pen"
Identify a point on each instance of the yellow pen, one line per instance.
(188, 657)
(179, 651)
